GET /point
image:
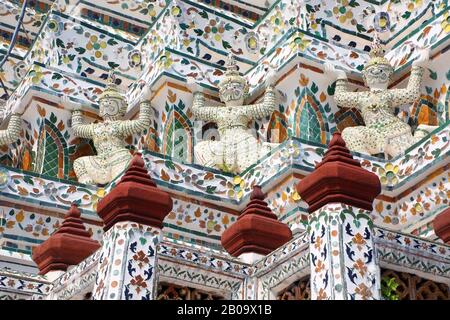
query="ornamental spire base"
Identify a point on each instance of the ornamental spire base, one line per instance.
(135, 199)
(256, 231)
(69, 245)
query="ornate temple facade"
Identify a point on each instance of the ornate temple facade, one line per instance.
(244, 150)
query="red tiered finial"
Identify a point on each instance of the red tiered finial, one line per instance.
(441, 226)
(257, 229)
(69, 245)
(337, 151)
(340, 179)
(257, 205)
(135, 198)
(73, 224)
(137, 172)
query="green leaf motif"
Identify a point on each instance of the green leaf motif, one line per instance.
(406, 15)
(80, 50)
(169, 164)
(112, 42)
(60, 43)
(226, 44)
(433, 75)
(360, 28)
(56, 76)
(199, 32)
(211, 189)
(113, 65)
(331, 88)
(53, 118)
(436, 153)
(228, 27)
(28, 180)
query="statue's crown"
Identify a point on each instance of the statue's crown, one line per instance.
(232, 73)
(111, 90)
(377, 53)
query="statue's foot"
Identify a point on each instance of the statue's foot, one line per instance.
(423, 130)
(85, 180)
(91, 170)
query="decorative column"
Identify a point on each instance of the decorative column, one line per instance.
(441, 226)
(257, 231)
(133, 214)
(340, 195)
(69, 245)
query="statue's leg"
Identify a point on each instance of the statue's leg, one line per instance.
(80, 168)
(205, 153)
(249, 151)
(119, 164)
(358, 139)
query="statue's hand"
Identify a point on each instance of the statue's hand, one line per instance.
(422, 60)
(193, 85)
(69, 105)
(19, 108)
(270, 78)
(333, 73)
(146, 92)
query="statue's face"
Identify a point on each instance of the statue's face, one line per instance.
(377, 76)
(111, 108)
(232, 93)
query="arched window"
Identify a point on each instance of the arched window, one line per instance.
(178, 136)
(52, 152)
(308, 121)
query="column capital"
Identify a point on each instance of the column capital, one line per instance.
(135, 198)
(69, 245)
(339, 179)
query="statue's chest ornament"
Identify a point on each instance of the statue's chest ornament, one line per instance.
(228, 119)
(104, 131)
(376, 102)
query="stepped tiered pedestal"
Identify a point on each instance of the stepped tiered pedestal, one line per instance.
(69, 245)
(257, 231)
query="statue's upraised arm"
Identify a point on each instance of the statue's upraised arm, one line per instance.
(11, 133)
(411, 93)
(130, 127)
(80, 129)
(200, 111)
(263, 109)
(343, 96)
